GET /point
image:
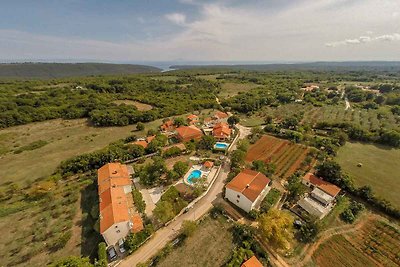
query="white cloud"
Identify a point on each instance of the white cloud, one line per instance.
(366, 39)
(220, 31)
(177, 18)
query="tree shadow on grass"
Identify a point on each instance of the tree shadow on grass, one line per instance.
(89, 236)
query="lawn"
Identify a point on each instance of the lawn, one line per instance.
(65, 139)
(140, 106)
(380, 168)
(210, 245)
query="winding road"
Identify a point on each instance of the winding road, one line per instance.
(169, 232)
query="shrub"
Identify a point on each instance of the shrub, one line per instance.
(138, 200)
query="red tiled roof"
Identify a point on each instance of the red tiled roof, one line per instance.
(250, 183)
(252, 262)
(168, 125)
(221, 130)
(137, 223)
(208, 164)
(142, 143)
(113, 205)
(186, 133)
(192, 117)
(325, 186)
(221, 115)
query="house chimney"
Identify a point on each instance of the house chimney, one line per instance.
(247, 185)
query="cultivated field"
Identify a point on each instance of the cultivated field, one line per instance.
(210, 245)
(380, 168)
(65, 139)
(367, 119)
(140, 106)
(286, 155)
(375, 244)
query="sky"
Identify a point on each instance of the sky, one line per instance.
(194, 30)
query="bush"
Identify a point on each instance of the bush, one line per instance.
(102, 255)
(138, 200)
(350, 214)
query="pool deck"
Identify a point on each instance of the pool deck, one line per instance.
(194, 168)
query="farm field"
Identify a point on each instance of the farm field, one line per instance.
(375, 244)
(229, 89)
(380, 168)
(65, 139)
(286, 155)
(210, 245)
(367, 119)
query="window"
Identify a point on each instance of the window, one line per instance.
(238, 196)
(237, 200)
(118, 231)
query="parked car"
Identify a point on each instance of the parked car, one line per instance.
(121, 245)
(112, 254)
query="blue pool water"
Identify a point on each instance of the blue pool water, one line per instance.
(195, 174)
(221, 145)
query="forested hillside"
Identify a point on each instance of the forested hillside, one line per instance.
(57, 70)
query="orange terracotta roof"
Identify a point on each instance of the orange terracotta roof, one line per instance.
(168, 125)
(113, 203)
(192, 117)
(137, 223)
(208, 164)
(150, 138)
(221, 115)
(188, 132)
(208, 119)
(325, 186)
(250, 183)
(142, 143)
(252, 262)
(113, 208)
(112, 170)
(221, 130)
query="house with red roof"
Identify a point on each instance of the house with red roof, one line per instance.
(220, 116)
(188, 133)
(145, 141)
(320, 201)
(252, 262)
(192, 119)
(221, 131)
(247, 189)
(168, 126)
(117, 216)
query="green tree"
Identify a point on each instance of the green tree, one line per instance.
(164, 211)
(237, 158)
(102, 255)
(139, 126)
(277, 227)
(188, 228)
(73, 261)
(178, 121)
(232, 120)
(181, 168)
(207, 142)
(295, 187)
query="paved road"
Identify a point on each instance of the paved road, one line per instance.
(168, 233)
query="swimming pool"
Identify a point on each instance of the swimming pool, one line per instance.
(195, 174)
(222, 146)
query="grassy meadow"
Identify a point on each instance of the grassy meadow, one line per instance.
(210, 245)
(65, 139)
(380, 168)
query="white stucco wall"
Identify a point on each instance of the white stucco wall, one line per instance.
(111, 235)
(241, 201)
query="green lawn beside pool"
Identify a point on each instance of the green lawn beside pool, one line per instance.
(380, 168)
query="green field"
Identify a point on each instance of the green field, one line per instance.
(65, 139)
(229, 89)
(210, 245)
(380, 168)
